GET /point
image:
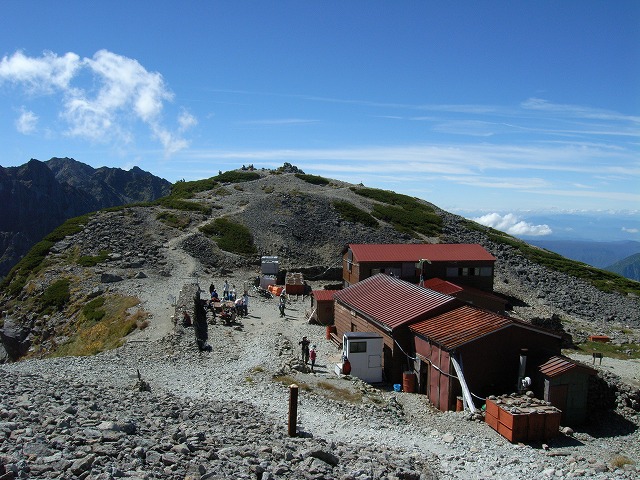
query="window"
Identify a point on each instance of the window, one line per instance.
(452, 271)
(349, 260)
(486, 271)
(357, 347)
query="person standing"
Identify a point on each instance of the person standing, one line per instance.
(305, 349)
(245, 303)
(312, 357)
(281, 305)
(225, 290)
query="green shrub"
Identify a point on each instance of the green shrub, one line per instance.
(313, 179)
(351, 213)
(93, 311)
(184, 189)
(230, 236)
(234, 176)
(56, 296)
(405, 213)
(92, 261)
(176, 221)
(178, 204)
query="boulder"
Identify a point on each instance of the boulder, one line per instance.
(14, 338)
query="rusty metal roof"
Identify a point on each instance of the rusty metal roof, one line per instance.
(412, 252)
(556, 366)
(323, 295)
(392, 302)
(442, 286)
(460, 326)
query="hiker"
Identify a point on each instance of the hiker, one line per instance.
(245, 303)
(214, 295)
(212, 288)
(239, 307)
(305, 349)
(282, 304)
(225, 290)
(312, 357)
(200, 324)
(232, 293)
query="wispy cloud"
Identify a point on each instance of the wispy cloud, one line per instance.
(120, 90)
(513, 225)
(26, 122)
(280, 121)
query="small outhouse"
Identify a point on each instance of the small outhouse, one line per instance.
(364, 352)
(566, 386)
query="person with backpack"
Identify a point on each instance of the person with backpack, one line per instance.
(312, 357)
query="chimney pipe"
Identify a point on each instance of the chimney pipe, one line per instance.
(522, 368)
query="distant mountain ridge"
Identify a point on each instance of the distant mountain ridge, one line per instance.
(38, 196)
(628, 267)
(597, 254)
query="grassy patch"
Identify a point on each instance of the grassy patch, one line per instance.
(175, 221)
(341, 394)
(56, 296)
(405, 213)
(619, 461)
(92, 261)
(222, 192)
(106, 333)
(624, 352)
(175, 203)
(287, 380)
(313, 179)
(32, 262)
(351, 213)
(230, 236)
(268, 188)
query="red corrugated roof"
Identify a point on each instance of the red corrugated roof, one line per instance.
(323, 295)
(390, 301)
(412, 252)
(459, 326)
(558, 365)
(441, 286)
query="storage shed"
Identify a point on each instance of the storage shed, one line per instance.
(322, 306)
(565, 384)
(478, 347)
(364, 352)
(386, 305)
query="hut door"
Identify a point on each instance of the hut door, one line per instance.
(558, 397)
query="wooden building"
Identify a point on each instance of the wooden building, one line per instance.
(482, 347)
(565, 384)
(463, 264)
(470, 295)
(387, 305)
(322, 306)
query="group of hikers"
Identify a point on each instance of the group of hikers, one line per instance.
(240, 307)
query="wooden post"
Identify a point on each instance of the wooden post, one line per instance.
(293, 409)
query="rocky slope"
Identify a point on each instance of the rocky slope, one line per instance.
(38, 196)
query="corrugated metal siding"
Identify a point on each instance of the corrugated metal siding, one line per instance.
(441, 286)
(323, 295)
(412, 252)
(459, 326)
(390, 301)
(560, 365)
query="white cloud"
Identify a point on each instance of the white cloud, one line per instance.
(119, 92)
(186, 121)
(512, 225)
(40, 75)
(26, 122)
(630, 230)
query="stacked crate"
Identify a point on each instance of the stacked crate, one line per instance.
(522, 419)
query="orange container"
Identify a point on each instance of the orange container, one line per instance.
(409, 382)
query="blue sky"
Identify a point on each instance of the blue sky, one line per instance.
(493, 109)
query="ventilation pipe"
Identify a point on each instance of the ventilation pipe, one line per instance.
(521, 369)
